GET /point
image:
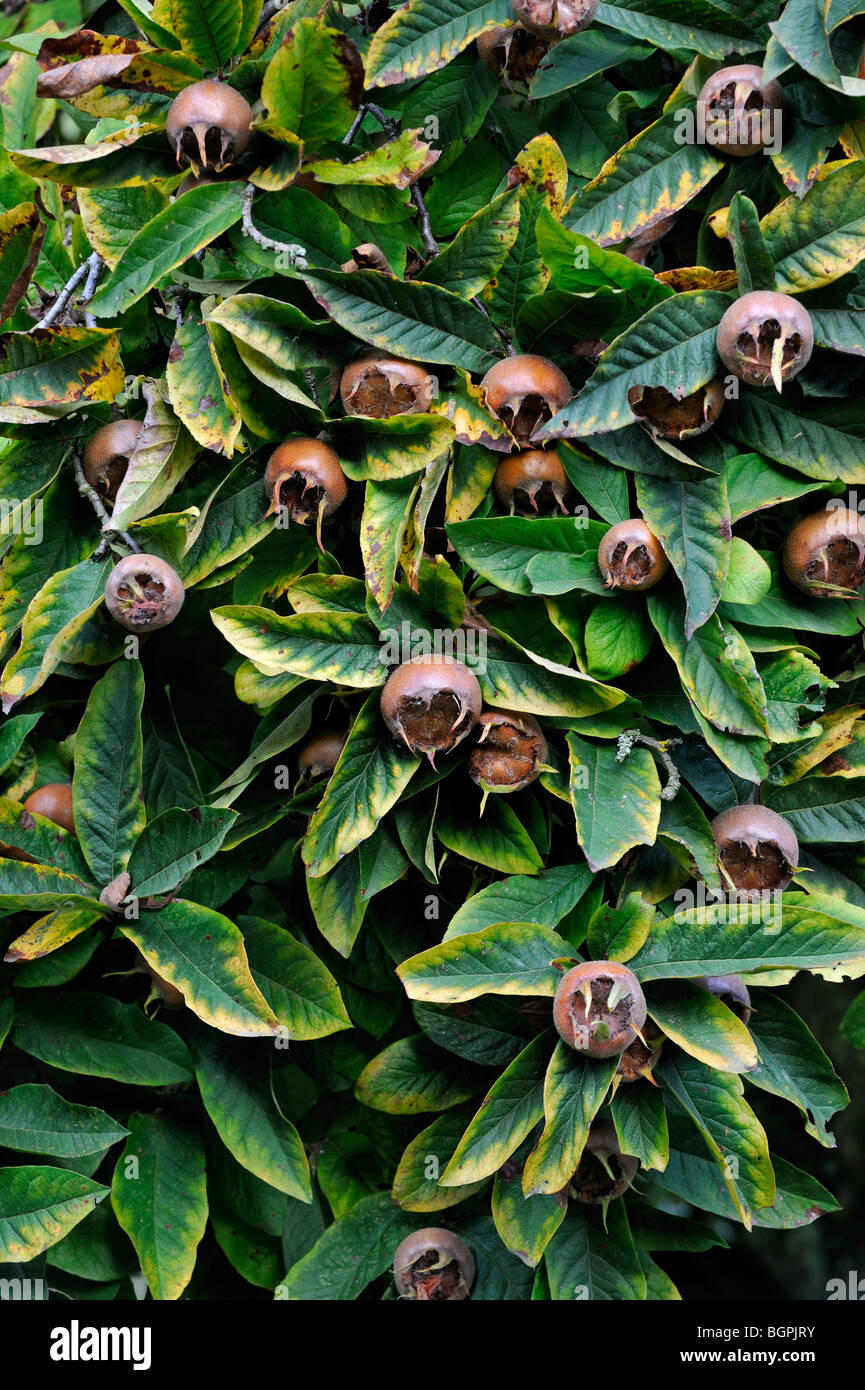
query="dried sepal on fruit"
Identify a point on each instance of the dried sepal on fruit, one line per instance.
(630, 557)
(824, 553)
(367, 256)
(510, 753)
(765, 337)
(757, 849)
(106, 456)
(431, 703)
(532, 480)
(739, 112)
(666, 416)
(304, 480)
(54, 802)
(603, 1172)
(379, 385)
(209, 125)
(525, 392)
(731, 990)
(513, 53)
(640, 1057)
(433, 1266)
(144, 593)
(555, 19)
(599, 1008)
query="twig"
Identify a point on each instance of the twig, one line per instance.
(626, 742)
(296, 254)
(391, 130)
(63, 297)
(99, 508)
(270, 8)
(95, 263)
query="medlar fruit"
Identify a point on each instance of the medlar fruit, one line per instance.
(431, 703)
(641, 1056)
(144, 593)
(603, 1172)
(825, 553)
(731, 990)
(304, 477)
(667, 417)
(599, 1007)
(107, 454)
(765, 336)
(525, 392)
(433, 1265)
(757, 849)
(379, 385)
(209, 125)
(510, 751)
(54, 802)
(512, 52)
(533, 479)
(630, 557)
(555, 19)
(320, 754)
(732, 104)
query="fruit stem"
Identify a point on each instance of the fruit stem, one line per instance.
(108, 531)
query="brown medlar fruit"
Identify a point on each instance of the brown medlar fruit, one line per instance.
(367, 256)
(510, 751)
(431, 703)
(379, 385)
(757, 850)
(765, 336)
(304, 478)
(555, 19)
(599, 1007)
(433, 1265)
(603, 1172)
(511, 52)
(630, 557)
(641, 1056)
(825, 553)
(533, 479)
(731, 990)
(144, 593)
(209, 125)
(731, 105)
(525, 392)
(107, 454)
(666, 416)
(320, 754)
(54, 802)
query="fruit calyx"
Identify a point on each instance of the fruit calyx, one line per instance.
(599, 1008)
(603, 1172)
(630, 557)
(532, 480)
(765, 337)
(666, 416)
(524, 392)
(378, 385)
(144, 593)
(555, 19)
(431, 703)
(731, 990)
(510, 752)
(824, 553)
(433, 1266)
(757, 850)
(731, 108)
(209, 125)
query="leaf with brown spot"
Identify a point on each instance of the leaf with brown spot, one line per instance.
(21, 235)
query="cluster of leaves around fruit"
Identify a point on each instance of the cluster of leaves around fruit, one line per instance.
(268, 1051)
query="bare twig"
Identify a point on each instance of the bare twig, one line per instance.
(296, 254)
(629, 737)
(431, 246)
(95, 263)
(354, 127)
(89, 271)
(98, 506)
(391, 130)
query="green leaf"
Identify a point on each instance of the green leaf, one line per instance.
(413, 1075)
(197, 387)
(702, 1026)
(496, 838)
(344, 649)
(415, 1184)
(207, 34)
(407, 317)
(307, 84)
(853, 1023)
(424, 35)
(722, 939)
(794, 1066)
(753, 259)
(574, 1091)
(43, 376)
(617, 933)
(458, 98)
(507, 958)
(21, 235)
(616, 804)
(174, 844)
(618, 636)
(59, 611)
(577, 264)
(95, 1035)
(112, 216)
(383, 530)
(245, 1116)
(588, 1258)
(109, 807)
(36, 1119)
(477, 251)
(729, 1128)
(509, 1112)
(351, 1253)
(299, 988)
(38, 1206)
(752, 484)
(545, 899)
(166, 241)
(749, 578)
(368, 780)
(640, 1119)
(202, 954)
(692, 522)
(164, 453)
(525, 1225)
(816, 239)
(652, 176)
(160, 1199)
(716, 667)
(823, 442)
(501, 548)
